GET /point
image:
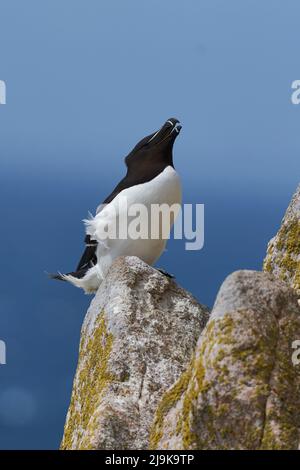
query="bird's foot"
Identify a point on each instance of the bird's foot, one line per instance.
(165, 273)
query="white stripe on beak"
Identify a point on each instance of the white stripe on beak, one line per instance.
(153, 136)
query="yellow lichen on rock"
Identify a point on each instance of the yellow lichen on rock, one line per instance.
(283, 252)
(168, 401)
(284, 258)
(92, 379)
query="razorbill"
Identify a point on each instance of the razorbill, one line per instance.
(150, 179)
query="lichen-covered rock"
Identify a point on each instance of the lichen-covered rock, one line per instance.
(283, 253)
(241, 390)
(137, 338)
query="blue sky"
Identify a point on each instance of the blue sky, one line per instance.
(86, 80)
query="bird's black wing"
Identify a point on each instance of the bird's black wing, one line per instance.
(88, 257)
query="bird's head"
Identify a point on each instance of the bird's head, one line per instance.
(155, 149)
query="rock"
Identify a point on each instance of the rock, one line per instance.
(137, 338)
(241, 390)
(283, 253)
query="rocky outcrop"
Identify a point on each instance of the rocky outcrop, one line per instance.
(155, 372)
(283, 254)
(241, 390)
(137, 338)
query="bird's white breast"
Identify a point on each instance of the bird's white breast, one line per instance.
(163, 189)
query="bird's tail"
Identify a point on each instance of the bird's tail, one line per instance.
(62, 277)
(88, 279)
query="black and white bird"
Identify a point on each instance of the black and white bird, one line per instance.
(150, 179)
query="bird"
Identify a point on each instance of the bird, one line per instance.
(151, 179)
